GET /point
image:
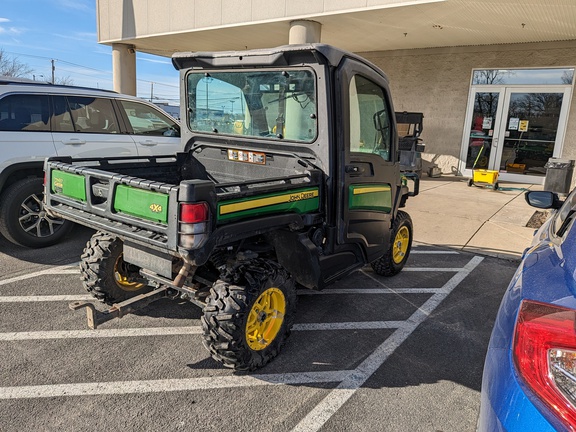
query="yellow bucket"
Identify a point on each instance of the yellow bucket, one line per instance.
(485, 176)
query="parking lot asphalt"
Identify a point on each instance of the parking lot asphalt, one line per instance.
(367, 354)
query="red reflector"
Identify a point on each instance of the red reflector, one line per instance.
(193, 213)
(542, 332)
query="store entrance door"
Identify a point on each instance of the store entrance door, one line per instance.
(514, 130)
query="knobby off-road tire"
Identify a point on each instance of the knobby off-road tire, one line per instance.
(104, 273)
(244, 326)
(393, 261)
(22, 217)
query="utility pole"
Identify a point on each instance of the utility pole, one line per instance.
(53, 70)
(151, 91)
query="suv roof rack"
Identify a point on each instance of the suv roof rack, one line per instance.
(6, 80)
(16, 80)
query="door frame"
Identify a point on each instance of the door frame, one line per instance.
(498, 137)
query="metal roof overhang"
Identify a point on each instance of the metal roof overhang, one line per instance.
(439, 23)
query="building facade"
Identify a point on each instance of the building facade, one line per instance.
(493, 79)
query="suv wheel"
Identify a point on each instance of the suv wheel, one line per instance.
(22, 217)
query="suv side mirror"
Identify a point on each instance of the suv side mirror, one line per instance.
(172, 132)
(543, 199)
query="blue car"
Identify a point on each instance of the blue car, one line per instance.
(529, 381)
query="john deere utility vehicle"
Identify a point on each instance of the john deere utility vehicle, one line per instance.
(290, 178)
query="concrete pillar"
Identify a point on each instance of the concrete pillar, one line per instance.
(124, 68)
(303, 32)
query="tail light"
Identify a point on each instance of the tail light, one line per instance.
(545, 356)
(193, 225)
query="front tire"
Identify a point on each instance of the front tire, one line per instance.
(104, 273)
(23, 220)
(393, 261)
(245, 326)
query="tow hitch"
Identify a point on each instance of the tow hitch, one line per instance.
(118, 310)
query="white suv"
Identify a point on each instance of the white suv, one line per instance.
(39, 120)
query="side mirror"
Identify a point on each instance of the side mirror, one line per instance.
(381, 121)
(172, 132)
(543, 199)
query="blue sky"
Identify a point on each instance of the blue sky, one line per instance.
(36, 31)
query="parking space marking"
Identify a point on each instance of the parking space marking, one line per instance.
(60, 270)
(322, 412)
(169, 385)
(72, 298)
(329, 291)
(44, 298)
(100, 333)
(349, 381)
(170, 331)
(432, 269)
(413, 251)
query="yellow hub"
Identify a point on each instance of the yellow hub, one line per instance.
(400, 246)
(123, 278)
(265, 319)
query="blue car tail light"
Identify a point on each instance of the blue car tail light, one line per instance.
(544, 352)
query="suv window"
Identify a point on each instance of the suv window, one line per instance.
(24, 113)
(146, 120)
(369, 118)
(93, 115)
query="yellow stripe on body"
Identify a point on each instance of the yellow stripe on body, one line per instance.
(363, 190)
(263, 202)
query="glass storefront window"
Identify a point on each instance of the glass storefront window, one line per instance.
(557, 76)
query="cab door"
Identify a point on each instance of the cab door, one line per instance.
(368, 170)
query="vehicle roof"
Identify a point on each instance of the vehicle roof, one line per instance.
(284, 55)
(24, 85)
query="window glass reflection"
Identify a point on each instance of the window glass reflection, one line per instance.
(560, 76)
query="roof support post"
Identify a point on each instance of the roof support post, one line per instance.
(304, 32)
(124, 68)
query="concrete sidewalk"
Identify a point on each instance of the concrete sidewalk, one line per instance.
(448, 213)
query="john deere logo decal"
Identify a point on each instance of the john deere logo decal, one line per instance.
(57, 184)
(156, 208)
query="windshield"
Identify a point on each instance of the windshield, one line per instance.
(276, 104)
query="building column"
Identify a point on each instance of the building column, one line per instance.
(304, 32)
(124, 68)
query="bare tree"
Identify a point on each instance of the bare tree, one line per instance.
(12, 67)
(64, 81)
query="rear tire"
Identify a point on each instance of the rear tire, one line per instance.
(23, 220)
(104, 273)
(245, 326)
(393, 261)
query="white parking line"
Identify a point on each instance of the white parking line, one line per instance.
(322, 412)
(72, 298)
(169, 385)
(368, 291)
(413, 251)
(350, 380)
(44, 298)
(432, 269)
(60, 270)
(171, 331)
(100, 333)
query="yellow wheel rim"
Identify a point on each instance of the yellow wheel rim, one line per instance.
(401, 242)
(123, 278)
(265, 319)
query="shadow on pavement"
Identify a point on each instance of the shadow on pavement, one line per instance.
(66, 252)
